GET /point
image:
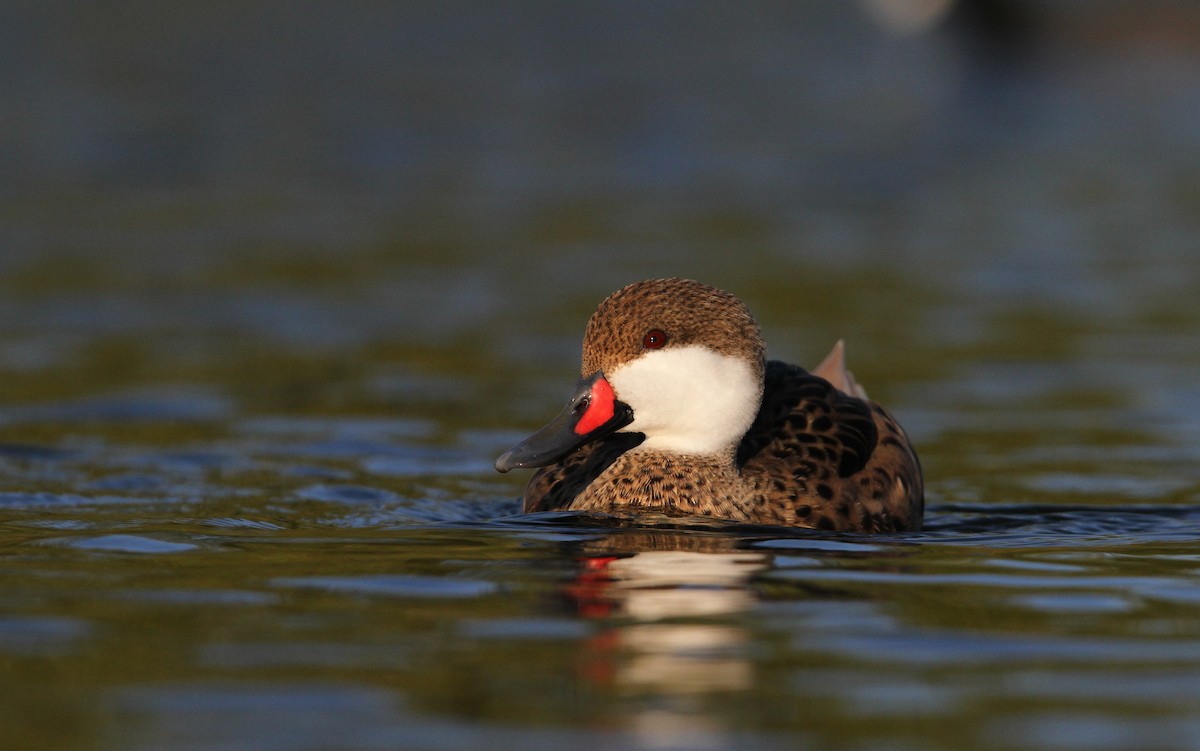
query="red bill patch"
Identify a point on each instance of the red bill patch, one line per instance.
(600, 410)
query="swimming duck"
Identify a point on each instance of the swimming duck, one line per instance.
(678, 412)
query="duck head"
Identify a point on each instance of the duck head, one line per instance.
(676, 360)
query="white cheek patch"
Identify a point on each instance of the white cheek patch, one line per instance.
(689, 399)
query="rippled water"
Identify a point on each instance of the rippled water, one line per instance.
(278, 282)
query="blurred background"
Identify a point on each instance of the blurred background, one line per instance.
(221, 211)
(278, 280)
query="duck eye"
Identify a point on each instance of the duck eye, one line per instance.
(654, 339)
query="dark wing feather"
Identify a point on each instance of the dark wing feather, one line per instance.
(821, 458)
(803, 417)
(554, 487)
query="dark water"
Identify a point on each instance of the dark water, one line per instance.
(277, 283)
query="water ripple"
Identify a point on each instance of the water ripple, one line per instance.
(392, 585)
(121, 543)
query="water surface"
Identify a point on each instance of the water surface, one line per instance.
(278, 283)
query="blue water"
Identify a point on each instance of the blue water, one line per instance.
(278, 282)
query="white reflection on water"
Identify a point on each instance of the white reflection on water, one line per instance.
(684, 659)
(657, 584)
(676, 640)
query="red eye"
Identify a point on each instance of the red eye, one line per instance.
(654, 339)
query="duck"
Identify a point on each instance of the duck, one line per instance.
(678, 413)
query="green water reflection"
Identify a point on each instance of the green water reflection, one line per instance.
(276, 286)
(429, 636)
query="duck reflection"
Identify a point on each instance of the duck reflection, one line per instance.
(673, 601)
(668, 577)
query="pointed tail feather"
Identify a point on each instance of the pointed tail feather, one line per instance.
(833, 369)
